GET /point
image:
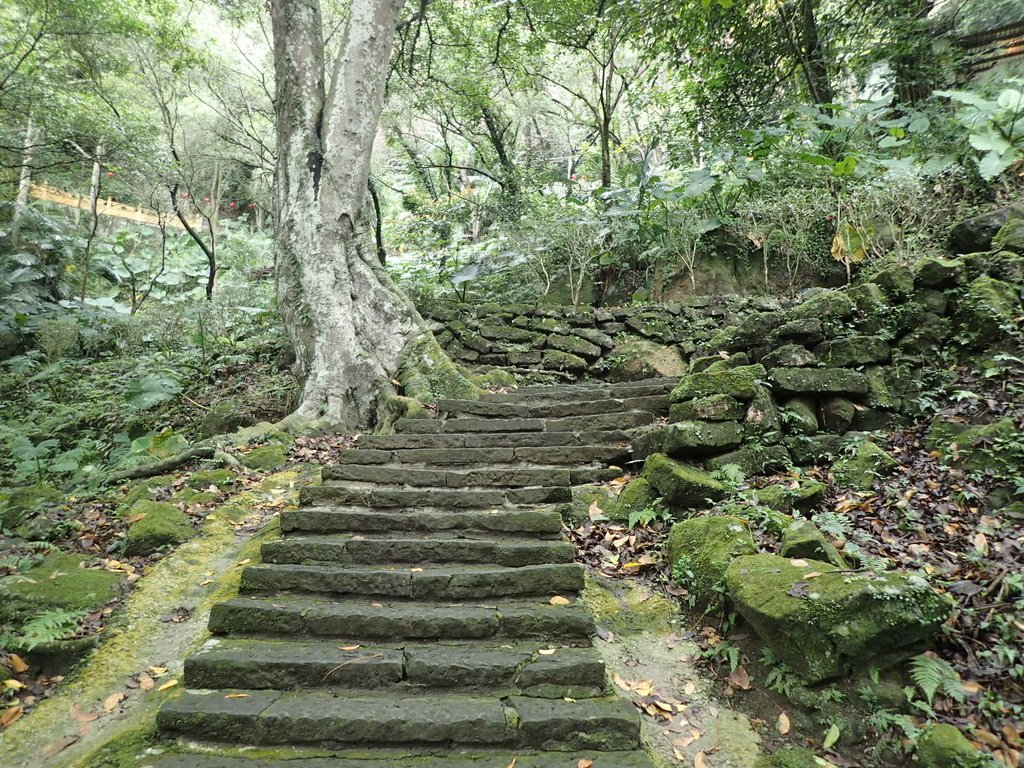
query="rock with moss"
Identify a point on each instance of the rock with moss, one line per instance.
(265, 458)
(700, 549)
(836, 414)
(929, 332)
(1010, 236)
(147, 488)
(934, 301)
(752, 459)
(799, 416)
(710, 408)
(973, 446)
(814, 449)
(989, 309)
(788, 757)
(564, 361)
(942, 745)
(496, 378)
(762, 419)
(220, 478)
(20, 503)
(754, 329)
(858, 472)
(868, 298)
(574, 345)
(190, 497)
(681, 485)
(803, 330)
(60, 581)
(632, 359)
(825, 305)
(636, 496)
(584, 497)
(896, 280)
(977, 232)
(223, 418)
(880, 393)
(938, 273)
(158, 525)
(786, 497)
(803, 539)
(700, 438)
(739, 382)
(789, 356)
(819, 381)
(826, 625)
(853, 351)
(428, 374)
(735, 360)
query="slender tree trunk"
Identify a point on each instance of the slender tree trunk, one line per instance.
(353, 332)
(24, 178)
(94, 216)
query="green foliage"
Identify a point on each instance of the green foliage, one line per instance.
(45, 629)
(151, 389)
(933, 675)
(995, 125)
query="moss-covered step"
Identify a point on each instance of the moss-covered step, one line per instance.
(823, 621)
(432, 548)
(299, 616)
(508, 477)
(488, 440)
(542, 522)
(405, 759)
(430, 497)
(432, 582)
(288, 665)
(859, 470)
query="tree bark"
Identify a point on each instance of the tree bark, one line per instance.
(352, 330)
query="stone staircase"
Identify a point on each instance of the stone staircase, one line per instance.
(405, 618)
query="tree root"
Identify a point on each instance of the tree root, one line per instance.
(211, 448)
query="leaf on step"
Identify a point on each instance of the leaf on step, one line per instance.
(11, 714)
(237, 696)
(59, 745)
(783, 724)
(559, 600)
(157, 671)
(584, 763)
(596, 513)
(348, 647)
(512, 764)
(136, 518)
(798, 563)
(111, 702)
(17, 664)
(146, 683)
(79, 715)
(415, 570)
(168, 684)
(546, 651)
(700, 760)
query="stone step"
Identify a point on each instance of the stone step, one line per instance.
(404, 759)
(559, 456)
(312, 495)
(440, 477)
(362, 549)
(551, 410)
(322, 717)
(493, 439)
(564, 392)
(535, 522)
(361, 620)
(594, 422)
(291, 665)
(433, 582)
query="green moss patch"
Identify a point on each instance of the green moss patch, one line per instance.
(159, 525)
(60, 581)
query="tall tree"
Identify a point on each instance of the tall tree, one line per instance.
(353, 331)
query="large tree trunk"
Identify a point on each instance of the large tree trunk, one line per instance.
(352, 330)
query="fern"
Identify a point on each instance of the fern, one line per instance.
(834, 524)
(47, 628)
(933, 675)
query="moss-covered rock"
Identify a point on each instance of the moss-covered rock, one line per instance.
(928, 333)
(835, 381)
(972, 446)
(789, 356)
(710, 408)
(801, 538)
(700, 438)
(836, 414)
(632, 359)
(681, 485)
(428, 374)
(1010, 236)
(161, 524)
(190, 496)
(858, 472)
(223, 418)
(574, 345)
(824, 625)
(221, 478)
(803, 330)
(880, 392)
(813, 449)
(799, 416)
(989, 309)
(752, 459)
(944, 746)
(736, 382)
(936, 272)
(977, 232)
(265, 458)
(583, 498)
(823, 305)
(754, 329)
(934, 301)
(146, 489)
(18, 504)
(700, 550)
(868, 298)
(762, 418)
(801, 496)
(59, 581)
(789, 757)
(636, 496)
(496, 378)
(896, 280)
(853, 351)
(563, 361)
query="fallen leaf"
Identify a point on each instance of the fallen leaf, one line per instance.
(812, 575)
(584, 763)
(981, 543)
(559, 600)
(348, 647)
(17, 664)
(204, 582)
(168, 684)
(512, 764)
(739, 678)
(146, 682)
(831, 737)
(546, 651)
(376, 605)
(157, 671)
(690, 688)
(111, 702)
(59, 745)
(798, 563)
(136, 518)
(10, 714)
(237, 696)
(784, 724)
(79, 715)
(13, 685)
(700, 761)
(415, 570)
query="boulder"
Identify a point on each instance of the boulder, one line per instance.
(265, 457)
(896, 280)
(681, 485)
(942, 745)
(635, 496)
(563, 361)
(852, 351)
(736, 382)
(762, 417)
(858, 472)
(799, 416)
(789, 356)
(18, 504)
(221, 478)
(1010, 236)
(805, 330)
(574, 345)
(756, 328)
(928, 333)
(825, 625)
(936, 302)
(161, 524)
(868, 298)
(594, 336)
(880, 394)
(223, 418)
(700, 549)
(812, 449)
(710, 408)
(752, 459)
(937, 272)
(824, 381)
(836, 414)
(59, 581)
(977, 233)
(785, 498)
(970, 445)
(823, 305)
(700, 438)
(989, 309)
(802, 539)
